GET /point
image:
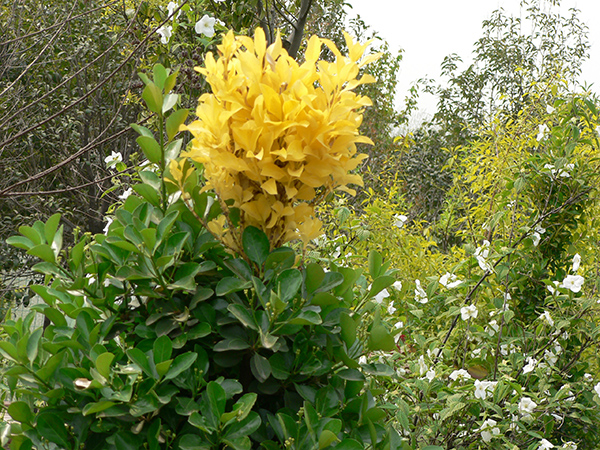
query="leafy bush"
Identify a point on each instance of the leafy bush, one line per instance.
(160, 336)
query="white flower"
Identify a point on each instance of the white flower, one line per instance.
(569, 446)
(205, 26)
(109, 220)
(545, 316)
(535, 237)
(551, 288)
(400, 220)
(420, 294)
(362, 360)
(390, 309)
(380, 296)
(550, 109)
(545, 445)
(114, 158)
(576, 262)
(597, 388)
(430, 375)
(91, 279)
(530, 366)
(598, 129)
(573, 282)
(422, 366)
(550, 357)
(165, 33)
(481, 253)
(467, 312)
(542, 130)
(526, 406)
(398, 325)
(460, 375)
(449, 280)
(588, 377)
(493, 328)
(484, 388)
(489, 429)
(171, 7)
(126, 194)
(397, 285)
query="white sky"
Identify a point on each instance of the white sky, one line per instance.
(429, 30)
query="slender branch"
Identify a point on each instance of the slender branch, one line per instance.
(57, 24)
(22, 74)
(78, 101)
(24, 108)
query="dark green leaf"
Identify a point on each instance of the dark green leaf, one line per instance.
(50, 426)
(162, 349)
(181, 363)
(256, 245)
(289, 282)
(174, 121)
(151, 148)
(260, 367)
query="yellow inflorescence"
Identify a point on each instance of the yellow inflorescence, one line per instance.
(275, 136)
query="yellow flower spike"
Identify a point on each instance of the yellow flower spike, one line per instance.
(274, 135)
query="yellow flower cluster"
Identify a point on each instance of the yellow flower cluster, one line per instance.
(276, 136)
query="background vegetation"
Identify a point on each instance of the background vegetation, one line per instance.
(451, 303)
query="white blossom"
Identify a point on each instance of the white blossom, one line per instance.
(573, 283)
(569, 446)
(484, 388)
(113, 158)
(165, 33)
(542, 130)
(390, 309)
(489, 429)
(380, 296)
(171, 7)
(552, 289)
(545, 316)
(430, 375)
(597, 388)
(422, 366)
(82, 383)
(481, 254)
(467, 312)
(460, 375)
(398, 325)
(588, 377)
(449, 280)
(576, 262)
(362, 359)
(126, 194)
(545, 445)
(397, 285)
(109, 220)
(205, 26)
(400, 220)
(550, 357)
(493, 327)
(526, 406)
(420, 294)
(530, 366)
(550, 109)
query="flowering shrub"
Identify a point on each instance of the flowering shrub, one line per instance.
(275, 137)
(160, 338)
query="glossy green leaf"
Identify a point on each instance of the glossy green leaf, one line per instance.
(313, 277)
(140, 358)
(375, 261)
(289, 282)
(193, 442)
(256, 245)
(20, 412)
(229, 285)
(182, 362)
(103, 363)
(162, 349)
(244, 315)
(326, 438)
(21, 242)
(348, 326)
(169, 101)
(44, 252)
(152, 95)
(160, 75)
(245, 427)
(95, 407)
(150, 147)
(260, 367)
(51, 227)
(50, 426)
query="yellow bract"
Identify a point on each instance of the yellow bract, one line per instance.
(276, 136)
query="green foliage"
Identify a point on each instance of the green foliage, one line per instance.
(159, 338)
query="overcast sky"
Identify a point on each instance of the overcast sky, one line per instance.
(429, 30)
